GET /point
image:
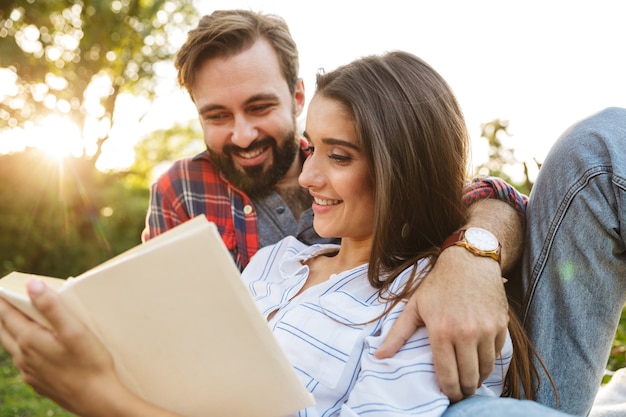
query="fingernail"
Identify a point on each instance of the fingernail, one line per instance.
(34, 286)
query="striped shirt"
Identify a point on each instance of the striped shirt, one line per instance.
(194, 186)
(328, 334)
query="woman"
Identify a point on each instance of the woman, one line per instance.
(378, 128)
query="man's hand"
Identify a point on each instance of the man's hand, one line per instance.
(463, 304)
(465, 336)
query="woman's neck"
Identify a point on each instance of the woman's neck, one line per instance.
(350, 255)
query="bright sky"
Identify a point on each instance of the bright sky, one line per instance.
(540, 64)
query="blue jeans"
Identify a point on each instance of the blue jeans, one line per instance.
(483, 406)
(574, 268)
(574, 264)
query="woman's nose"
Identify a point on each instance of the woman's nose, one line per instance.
(311, 175)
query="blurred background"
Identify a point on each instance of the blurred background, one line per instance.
(90, 112)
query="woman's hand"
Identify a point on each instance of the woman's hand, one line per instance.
(66, 363)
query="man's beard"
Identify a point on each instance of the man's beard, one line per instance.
(257, 181)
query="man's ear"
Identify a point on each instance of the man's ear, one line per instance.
(298, 97)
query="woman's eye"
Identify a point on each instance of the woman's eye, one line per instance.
(339, 158)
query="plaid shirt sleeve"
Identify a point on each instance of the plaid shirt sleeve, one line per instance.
(493, 187)
(164, 212)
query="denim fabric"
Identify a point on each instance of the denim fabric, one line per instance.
(483, 406)
(574, 263)
(574, 268)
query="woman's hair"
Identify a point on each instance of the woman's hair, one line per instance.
(225, 33)
(413, 135)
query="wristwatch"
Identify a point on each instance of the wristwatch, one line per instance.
(478, 241)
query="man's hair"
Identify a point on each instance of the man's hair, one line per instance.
(226, 33)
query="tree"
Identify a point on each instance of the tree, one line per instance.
(73, 58)
(500, 156)
(159, 149)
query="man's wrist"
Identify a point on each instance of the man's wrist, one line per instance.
(476, 240)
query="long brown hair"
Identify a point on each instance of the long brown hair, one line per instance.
(413, 135)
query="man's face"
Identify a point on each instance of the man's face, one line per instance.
(248, 117)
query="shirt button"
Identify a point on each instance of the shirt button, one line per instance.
(280, 209)
(247, 209)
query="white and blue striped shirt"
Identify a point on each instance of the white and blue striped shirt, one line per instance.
(327, 335)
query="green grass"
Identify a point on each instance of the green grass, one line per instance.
(17, 399)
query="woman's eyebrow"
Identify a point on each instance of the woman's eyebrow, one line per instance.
(333, 141)
(341, 142)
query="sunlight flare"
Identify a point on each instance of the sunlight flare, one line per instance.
(58, 137)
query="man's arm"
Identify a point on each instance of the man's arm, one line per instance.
(165, 210)
(462, 301)
(156, 221)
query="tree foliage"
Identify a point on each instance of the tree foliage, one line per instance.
(500, 156)
(159, 149)
(74, 57)
(61, 218)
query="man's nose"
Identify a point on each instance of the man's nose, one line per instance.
(244, 132)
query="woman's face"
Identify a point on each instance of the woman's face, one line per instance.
(337, 174)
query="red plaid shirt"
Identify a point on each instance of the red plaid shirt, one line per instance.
(193, 187)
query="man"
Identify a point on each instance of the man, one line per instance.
(241, 70)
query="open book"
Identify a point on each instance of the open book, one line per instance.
(181, 326)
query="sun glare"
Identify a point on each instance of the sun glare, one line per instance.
(61, 137)
(57, 136)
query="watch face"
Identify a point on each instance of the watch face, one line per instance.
(481, 239)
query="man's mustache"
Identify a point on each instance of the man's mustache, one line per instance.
(259, 143)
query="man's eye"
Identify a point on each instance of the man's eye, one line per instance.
(260, 108)
(214, 117)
